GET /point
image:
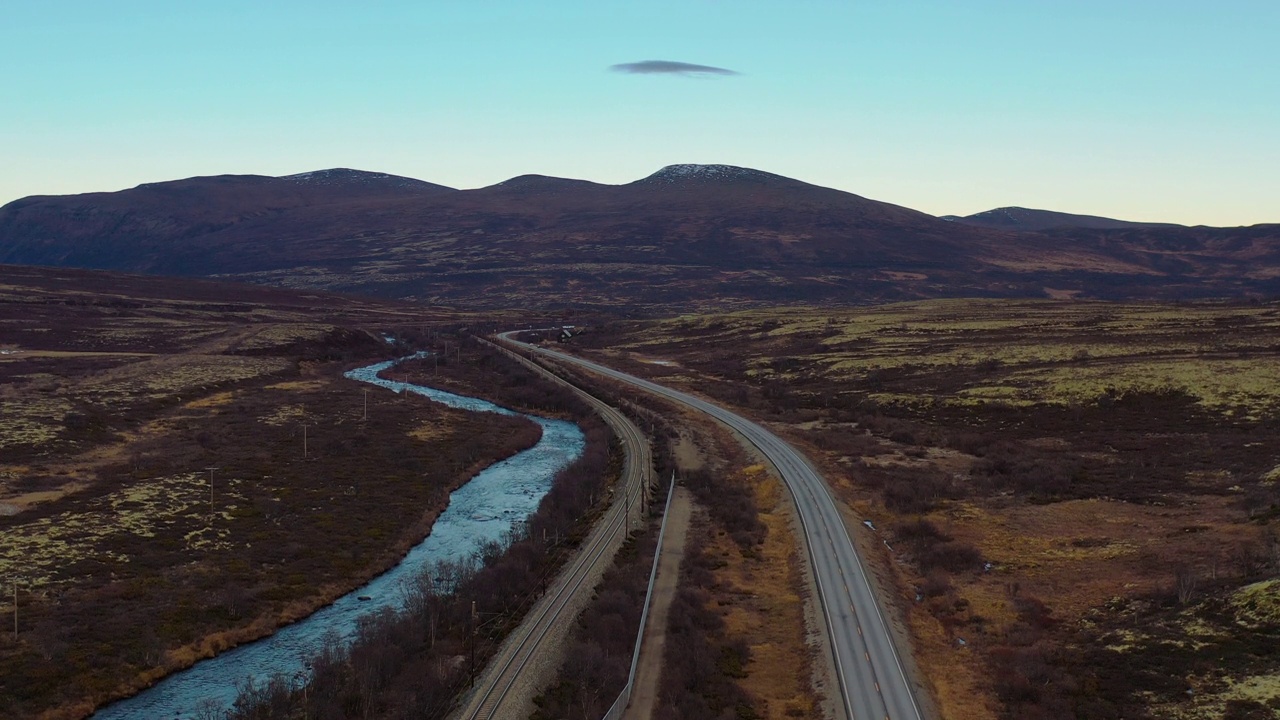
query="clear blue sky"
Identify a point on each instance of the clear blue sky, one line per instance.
(1140, 109)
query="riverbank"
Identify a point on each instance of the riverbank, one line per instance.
(141, 574)
(266, 626)
(426, 655)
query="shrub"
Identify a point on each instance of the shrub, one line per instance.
(952, 556)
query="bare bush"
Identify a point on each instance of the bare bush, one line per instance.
(1184, 583)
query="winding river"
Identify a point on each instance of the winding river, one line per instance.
(489, 505)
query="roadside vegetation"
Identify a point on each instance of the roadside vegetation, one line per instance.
(1079, 501)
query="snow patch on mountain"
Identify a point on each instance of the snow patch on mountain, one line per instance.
(346, 176)
(673, 174)
(1014, 215)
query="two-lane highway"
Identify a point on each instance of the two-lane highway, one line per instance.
(872, 680)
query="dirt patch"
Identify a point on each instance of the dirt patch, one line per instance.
(688, 455)
(644, 697)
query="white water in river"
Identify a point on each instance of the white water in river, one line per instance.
(483, 510)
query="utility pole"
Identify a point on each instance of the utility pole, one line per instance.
(474, 629)
(211, 469)
(304, 442)
(15, 609)
(366, 403)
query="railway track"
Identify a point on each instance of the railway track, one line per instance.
(498, 692)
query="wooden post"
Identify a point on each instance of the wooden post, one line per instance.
(15, 609)
(474, 629)
(366, 403)
(304, 442)
(211, 469)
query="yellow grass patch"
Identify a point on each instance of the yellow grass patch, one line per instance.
(176, 375)
(766, 607)
(955, 673)
(34, 420)
(1222, 384)
(428, 432)
(1260, 688)
(211, 401)
(26, 354)
(297, 385)
(1258, 603)
(284, 334)
(285, 415)
(1044, 351)
(1211, 701)
(1056, 551)
(23, 501)
(44, 551)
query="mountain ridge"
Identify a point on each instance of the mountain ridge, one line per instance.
(1031, 219)
(685, 236)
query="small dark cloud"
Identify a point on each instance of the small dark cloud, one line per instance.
(669, 67)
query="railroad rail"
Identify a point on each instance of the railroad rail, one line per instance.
(494, 690)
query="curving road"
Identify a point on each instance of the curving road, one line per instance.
(873, 684)
(503, 690)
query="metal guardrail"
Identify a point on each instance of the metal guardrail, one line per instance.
(624, 698)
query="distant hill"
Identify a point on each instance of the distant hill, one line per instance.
(687, 236)
(147, 228)
(1018, 218)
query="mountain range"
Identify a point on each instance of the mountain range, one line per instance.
(1019, 218)
(688, 236)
